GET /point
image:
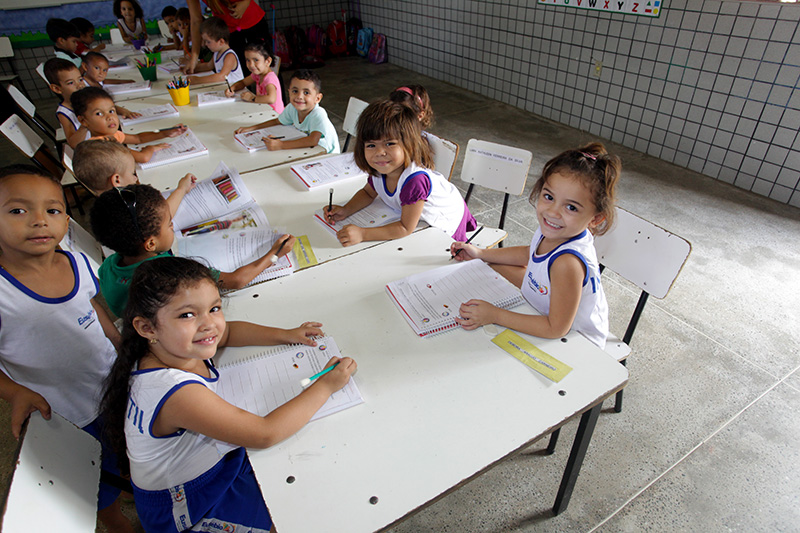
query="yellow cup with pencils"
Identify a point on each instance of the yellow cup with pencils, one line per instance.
(180, 95)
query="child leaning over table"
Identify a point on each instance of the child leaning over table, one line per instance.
(136, 222)
(224, 62)
(305, 114)
(57, 343)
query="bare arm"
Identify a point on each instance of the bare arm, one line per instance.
(196, 15)
(185, 185)
(309, 141)
(267, 124)
(249, 334)
(108, 325)
(269, 98)
(409, 218)
(246, 273)
(359, 201)
(515, 255)
(23, 402)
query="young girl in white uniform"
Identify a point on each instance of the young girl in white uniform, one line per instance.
(559, 272)
(185, 444)
(390, 147)
(130, 20)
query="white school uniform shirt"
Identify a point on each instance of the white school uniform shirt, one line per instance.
(138, 29)
(70, 114)
(444, 207)
(158, 463)
(236, 73)
(591, 320)
(56, 346)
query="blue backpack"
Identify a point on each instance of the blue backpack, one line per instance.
(364, 41)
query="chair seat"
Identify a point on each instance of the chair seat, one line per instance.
(616, 348)
(488, 237)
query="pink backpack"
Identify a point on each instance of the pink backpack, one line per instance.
(282, 49)
(377, 52)
(317, 41)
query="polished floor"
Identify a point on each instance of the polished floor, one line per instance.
(708, 438)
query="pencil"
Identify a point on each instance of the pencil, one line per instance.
(307, 381)
(330, 201)
(274, 258)
(468, 241)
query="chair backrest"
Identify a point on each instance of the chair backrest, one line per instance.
(648, 256)
(496, 166)
(78, 240)
(445, 154)
(116, 36)
(6, 50)
(66, 157)
(58, 469)
(21, 100)
(23, 137)
(354, 109)
(164, 29)
(40, 72)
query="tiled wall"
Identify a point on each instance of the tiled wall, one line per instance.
(711, 85)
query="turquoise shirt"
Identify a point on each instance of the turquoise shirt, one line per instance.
(317, 120)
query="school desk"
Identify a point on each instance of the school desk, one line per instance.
(437, 412)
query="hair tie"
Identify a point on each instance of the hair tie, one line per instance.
(409, 91)
(589, 156)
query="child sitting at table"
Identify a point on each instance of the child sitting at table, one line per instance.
(130, 20)
(65, 37)
(183, 25)
(56, 340)
(95, 71)
(101, 165)
(168, 15)
(65, 79)
(558, 273)
(305, 93)
(162, 408)
(136, 222)
(225, 62)
(415, 97)
(97, 113)
(268, 87)
(86, 39)
(389, 146)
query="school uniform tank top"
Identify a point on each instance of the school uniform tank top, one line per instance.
(236, 73)
(138, 28)
(69, 114)
(591, 319)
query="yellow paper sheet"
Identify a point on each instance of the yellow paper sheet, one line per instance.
(531, 356)
(304, 253)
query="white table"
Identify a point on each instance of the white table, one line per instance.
(437, 411)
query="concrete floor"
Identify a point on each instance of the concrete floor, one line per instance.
(708, 437)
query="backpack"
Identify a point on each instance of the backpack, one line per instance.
(298, 44)
(377, 52)
(281, 49)
(353, 27)
(338, 37)
(364, 41)
(317, 41)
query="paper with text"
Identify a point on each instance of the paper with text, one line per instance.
(374, 215)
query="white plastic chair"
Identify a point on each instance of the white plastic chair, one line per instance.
(116, 36)
(29, 109)
(445, 154)
(7, 53)
(164, 29)
(78, 240)
(497, 167)
(354, 109)
(40, 72)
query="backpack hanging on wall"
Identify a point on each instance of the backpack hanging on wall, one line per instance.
(364, 41)
(377, 52)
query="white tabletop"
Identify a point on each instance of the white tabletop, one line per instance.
(437, 411)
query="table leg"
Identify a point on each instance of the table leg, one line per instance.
(573, 468)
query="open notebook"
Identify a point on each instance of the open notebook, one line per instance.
(374, 215)
(184, 146)
(269, 379)
(252, 140)
(152, 113)
(328, 170)
(430, 301)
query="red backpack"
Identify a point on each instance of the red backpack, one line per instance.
(338, 37)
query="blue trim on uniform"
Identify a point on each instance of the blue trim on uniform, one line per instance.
(539, 258)
(158, 407)
(38, 297)
(417, 173)
(91, 273)
(383, 180)
(576, 254)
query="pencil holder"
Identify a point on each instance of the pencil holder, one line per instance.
(138, 43)
(180, 96)
(148, 73)
(154, 57)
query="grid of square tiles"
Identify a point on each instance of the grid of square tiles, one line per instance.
(709, 86)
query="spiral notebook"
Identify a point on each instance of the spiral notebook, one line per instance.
(269, 379)
(184, 146)
(429, 301)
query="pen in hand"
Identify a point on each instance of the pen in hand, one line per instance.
(330, 201)
(468, 241)
(307, 381)
(274, 258)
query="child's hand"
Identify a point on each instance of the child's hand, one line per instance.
(335, 214)
(244, 129)
(148, 151)
(350, 235)
(285, 244)
(126, 113)
(176, 130)
(23, 402)
(339, 376)
(247, 96)
(99, 47)
(475, 313)
(272, 143)
(468, 251)
(304, 334)
(187, 183)
(230, 93)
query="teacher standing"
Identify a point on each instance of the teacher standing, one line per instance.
(245, 19)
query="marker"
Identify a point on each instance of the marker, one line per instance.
(168, 129)
(307, 381)
(468, 241)
(274, 258)
(228, 83)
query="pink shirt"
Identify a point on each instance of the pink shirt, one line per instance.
(261, 89)
(252, 15)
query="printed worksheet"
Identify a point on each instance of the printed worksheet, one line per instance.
(184, 146)
(328, 170)
(252, 140)
(152, 113)
(374, 215)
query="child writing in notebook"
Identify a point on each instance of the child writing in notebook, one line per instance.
(389, 146)
(130, 20)
(161, 404)
(225, 62)
(558, 273)
(97, 113)
(65, 79)
(57, 343)
(268, 88)
(136, 222)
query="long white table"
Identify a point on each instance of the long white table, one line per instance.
(437, 411)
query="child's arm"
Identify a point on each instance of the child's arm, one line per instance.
(269, 98)
(309, 141)
(249, 334)
(127, 113)
(125, 37)
(245, 274)
(566, 280)
(185, 185)
(115, 81)
(150, 136)
(514, 255)
(146, 154)
(99, 47)
(409, 218)
(228, 64)
(239, 85)
(72, 135)
(359, 201)
(267, 124)
(23, 402)
(109, 328)
(196, 408)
